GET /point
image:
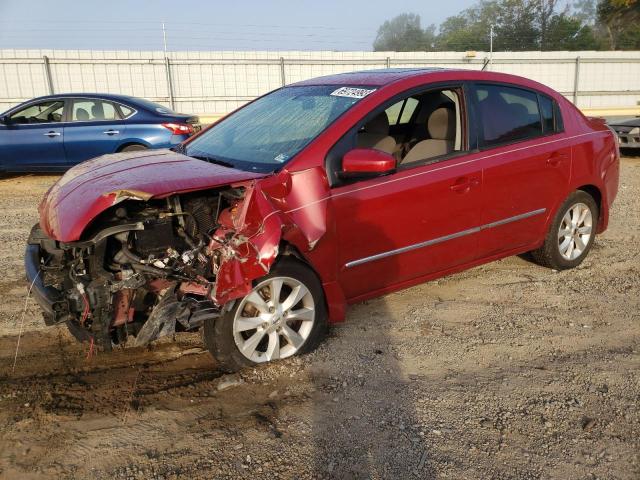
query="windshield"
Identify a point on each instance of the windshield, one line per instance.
(267, 133)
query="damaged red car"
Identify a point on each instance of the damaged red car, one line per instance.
(264, 227)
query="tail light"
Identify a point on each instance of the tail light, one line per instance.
(179, 128)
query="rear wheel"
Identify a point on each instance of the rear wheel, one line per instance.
(283, 315)
(133, 148)
(571, 234)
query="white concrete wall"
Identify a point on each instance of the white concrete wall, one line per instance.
(213, 83)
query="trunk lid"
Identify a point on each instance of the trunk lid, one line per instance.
(91, 187)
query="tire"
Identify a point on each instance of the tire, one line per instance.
(566, 251)
(133, 148)
(225, 336)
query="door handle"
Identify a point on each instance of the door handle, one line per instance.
(555, 159)
(111, 132)
(464, 184)
(52, 134)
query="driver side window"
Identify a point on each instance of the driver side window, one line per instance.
(417, 129)
(50, 111)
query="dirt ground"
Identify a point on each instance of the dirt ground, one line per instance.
(508, 370)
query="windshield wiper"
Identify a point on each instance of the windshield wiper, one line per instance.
(209, 159)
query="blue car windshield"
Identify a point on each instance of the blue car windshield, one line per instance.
(266, 134)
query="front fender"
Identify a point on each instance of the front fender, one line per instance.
(288, 207)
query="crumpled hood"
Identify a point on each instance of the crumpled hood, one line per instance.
(91, 187)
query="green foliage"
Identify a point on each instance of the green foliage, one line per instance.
(520, 25)
(619, 19)
(569, 33)
(404, 34)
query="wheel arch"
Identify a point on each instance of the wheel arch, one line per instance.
(334, 299)
(287, 249)
(596, 194)
(130, 143)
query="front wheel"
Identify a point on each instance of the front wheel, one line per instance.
(283, 315)
(571, 234)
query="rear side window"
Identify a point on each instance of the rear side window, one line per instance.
(401, 112)
(126, 111)
(85, 110)
(547, 111)
(558, 115)
(393, 112)
(507, 114)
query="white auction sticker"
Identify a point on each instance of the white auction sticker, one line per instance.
(352, 92)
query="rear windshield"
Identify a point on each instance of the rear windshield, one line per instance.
(155, 107)
(267, 133)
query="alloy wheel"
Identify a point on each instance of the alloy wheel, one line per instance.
(274, 320)
(575, 231)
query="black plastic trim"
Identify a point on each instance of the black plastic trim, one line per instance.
(47, 297)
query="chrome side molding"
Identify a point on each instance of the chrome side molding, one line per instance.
(434, 241)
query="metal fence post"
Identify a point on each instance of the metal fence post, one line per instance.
(388, 62)
(576, 81)
(169, 83)
(283, 79)
(47, 73)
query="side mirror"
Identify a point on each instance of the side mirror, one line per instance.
(367, 162)
(4, 119)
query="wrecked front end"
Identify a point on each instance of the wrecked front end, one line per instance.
(148, 267)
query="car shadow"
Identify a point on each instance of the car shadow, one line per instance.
(630, 152)
(15, 176)
(365, 424)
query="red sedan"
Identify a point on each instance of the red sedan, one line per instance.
(327, 192)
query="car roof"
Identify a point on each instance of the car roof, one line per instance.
(387, 76)
(106, 96)
(374, 77)
(135, 102)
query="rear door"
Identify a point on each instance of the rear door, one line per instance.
(95, 129)
(526, 165)
(33, 138)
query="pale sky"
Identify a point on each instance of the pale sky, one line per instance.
(207, 25)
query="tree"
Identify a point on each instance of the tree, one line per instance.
(514, 21)
(517, 25)
(569, 33)
(584, 11)
(545, 12)
(404, 34)
(462, 32)
(619, 19)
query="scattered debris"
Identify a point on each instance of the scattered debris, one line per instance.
(229, 382)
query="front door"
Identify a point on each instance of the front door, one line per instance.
(33, 138)
(401, 227)
(423, 218)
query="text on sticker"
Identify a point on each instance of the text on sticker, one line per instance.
(352, 92)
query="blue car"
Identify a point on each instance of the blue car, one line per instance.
(55, 132)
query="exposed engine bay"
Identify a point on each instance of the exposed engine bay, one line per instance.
(143, 269)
